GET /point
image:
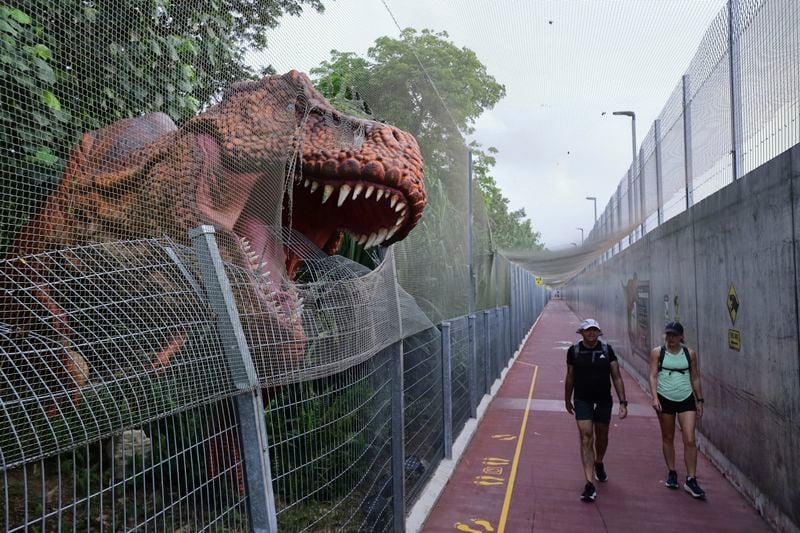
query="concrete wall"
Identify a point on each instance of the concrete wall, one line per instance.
(744, 236)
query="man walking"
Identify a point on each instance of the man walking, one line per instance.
(591, 366)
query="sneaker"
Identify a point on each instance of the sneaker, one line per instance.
(600, 472)
(589, 493)
(672, 480)
(691, 486)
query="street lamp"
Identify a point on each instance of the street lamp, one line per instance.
(633, 127)
(633, 164)
(581, 229)
(593, 199)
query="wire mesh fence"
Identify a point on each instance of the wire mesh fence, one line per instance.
(200, 310)
(735, 108)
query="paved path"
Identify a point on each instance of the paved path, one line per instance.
(523, 473)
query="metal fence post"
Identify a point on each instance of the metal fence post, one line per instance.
(507, 331)
(249, 405)
(687, 142)
(472, 368)
(642, 194)
(447, 392)
(398, 438)
(735, 64)
(496, 338)
(659, 176)
(487, 356)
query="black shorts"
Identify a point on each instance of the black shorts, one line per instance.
(599, 412)
(669, 407)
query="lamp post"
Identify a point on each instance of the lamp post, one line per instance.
(581, 230)
(633, 163)
(633, 128)
(594, 200)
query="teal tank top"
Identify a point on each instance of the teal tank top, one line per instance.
(675, 386)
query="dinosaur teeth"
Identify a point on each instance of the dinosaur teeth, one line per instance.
(392, 232)
(399, 221)
(379, 195)
(327, 193)
(381, 235)
(399, 207)
(306, 183)
(357, 191)
(344, 193)
(314, 186)
(362, 240)
(393, 201)
(371, 241)
(369, 192)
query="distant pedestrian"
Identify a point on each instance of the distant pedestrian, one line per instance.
(675, 386)
(591, 367)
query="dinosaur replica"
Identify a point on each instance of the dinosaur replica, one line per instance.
(272, 152)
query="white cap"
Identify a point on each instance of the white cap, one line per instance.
(589, 323)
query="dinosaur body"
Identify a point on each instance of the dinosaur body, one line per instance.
(272, 152)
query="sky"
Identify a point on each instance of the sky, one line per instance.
(564, 64)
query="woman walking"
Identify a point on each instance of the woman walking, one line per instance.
(676, 390)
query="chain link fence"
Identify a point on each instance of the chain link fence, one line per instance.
(735, 108)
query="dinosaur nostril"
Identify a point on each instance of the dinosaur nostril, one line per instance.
(396, 136)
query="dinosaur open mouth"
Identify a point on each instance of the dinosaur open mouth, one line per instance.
(370, 212)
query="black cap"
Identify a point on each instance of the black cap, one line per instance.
(674, 327)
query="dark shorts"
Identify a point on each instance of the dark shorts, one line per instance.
(595, 411)
(669, 407)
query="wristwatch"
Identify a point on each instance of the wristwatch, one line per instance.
(625, 403)
(700, 400)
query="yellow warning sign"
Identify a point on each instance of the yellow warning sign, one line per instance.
(734, 339)
(733, 304)
(539, 280)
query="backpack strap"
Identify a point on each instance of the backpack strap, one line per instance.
(664, 353)
(688, 358)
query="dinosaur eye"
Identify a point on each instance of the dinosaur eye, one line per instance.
(290, 108)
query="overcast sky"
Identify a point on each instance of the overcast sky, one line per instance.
(563, 62)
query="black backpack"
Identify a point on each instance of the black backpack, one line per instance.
(681, 370)
(603, 348)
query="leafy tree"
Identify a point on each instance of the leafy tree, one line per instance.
(395, 79)
(71, 66)
(509, 229)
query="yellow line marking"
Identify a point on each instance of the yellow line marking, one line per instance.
(507, 502)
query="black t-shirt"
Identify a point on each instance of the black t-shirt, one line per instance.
(592, 372)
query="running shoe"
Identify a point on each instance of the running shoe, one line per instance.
(692, 487)
(672, 480)
(589, 493)
(600, 472)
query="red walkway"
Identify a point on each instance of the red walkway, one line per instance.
(523, 474)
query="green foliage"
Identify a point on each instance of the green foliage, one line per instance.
(319, 432)
(70, 66)
(509, 229)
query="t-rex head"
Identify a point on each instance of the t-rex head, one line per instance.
(343, 174)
